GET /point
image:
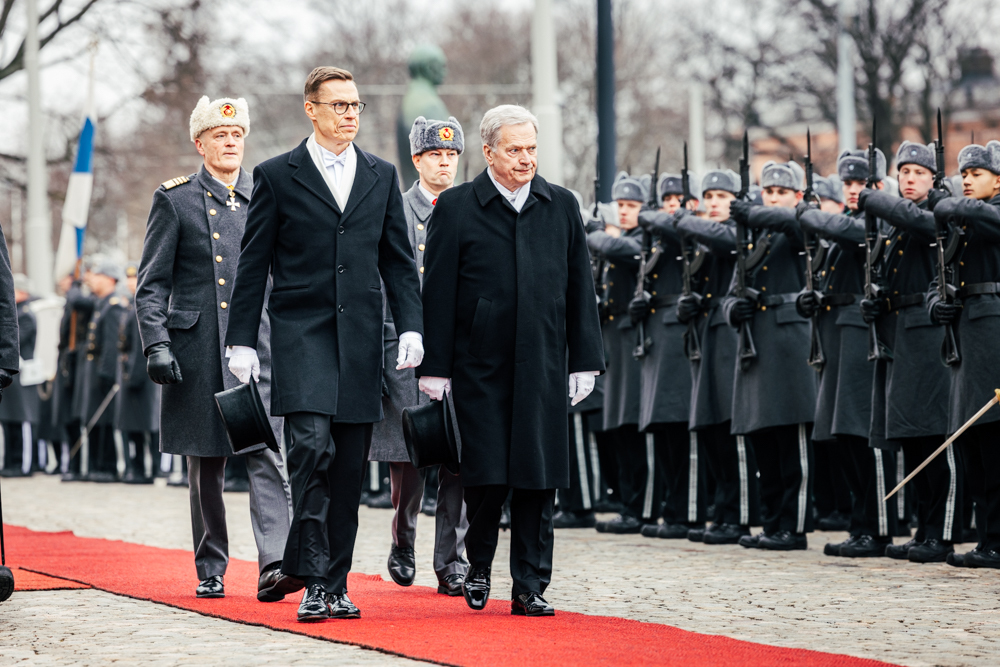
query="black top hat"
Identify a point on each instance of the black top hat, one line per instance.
(245, 418)
(430, 436)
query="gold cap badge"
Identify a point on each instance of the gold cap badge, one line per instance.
(228, 110)
(446, 134)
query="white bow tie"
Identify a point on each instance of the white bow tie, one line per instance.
(332, 160)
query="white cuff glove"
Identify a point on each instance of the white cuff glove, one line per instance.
(580, 385)
(436, 388)
(243, 363)
(411, 350)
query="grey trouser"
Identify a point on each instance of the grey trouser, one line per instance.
(450, 523)
(270, 510)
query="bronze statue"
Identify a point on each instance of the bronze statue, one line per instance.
(427, 70)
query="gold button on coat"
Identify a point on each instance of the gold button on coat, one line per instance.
(208, 193)
(222, 281)
(420, 227)
(420, 247)
(421, 269)
(224, 305)
(211, 211)
(215, 236)
(218, 258)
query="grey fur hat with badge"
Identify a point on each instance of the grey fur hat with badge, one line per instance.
(670, 184)
(429, 135)
(975, 156)
(721, 179)
(826, 188)
(208, 115)
(633, 188)
(853, 165)
(918, 154)
(105, 266)
(787, 175)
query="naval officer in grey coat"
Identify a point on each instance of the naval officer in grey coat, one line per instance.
(185, 280)
(435, 146)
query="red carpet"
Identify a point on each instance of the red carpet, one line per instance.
(413, 622)
(26, 580)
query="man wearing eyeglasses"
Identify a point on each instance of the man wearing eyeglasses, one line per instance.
(326, 222)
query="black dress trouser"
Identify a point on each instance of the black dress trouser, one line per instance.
(938, 488)
(530, 532)
(870, 474)
(980, 447)
(635, 453)
(682, 471)
(326, 464)
(733, 465)
(784, 455)
(831, 492)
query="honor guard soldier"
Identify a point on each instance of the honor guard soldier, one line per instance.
(72, 339)
(96, 384)
(843, 406)
(774, 395)
(974, 318)
(19, 409)
(137, 406)
(665, 401)
(729, 458)
(182, 304)
(9, 348)
(635, 451)
(910, 399)
(435, 146)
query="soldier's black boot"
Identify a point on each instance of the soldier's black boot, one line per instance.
(901, 551)
(866, 546)
(931, 551)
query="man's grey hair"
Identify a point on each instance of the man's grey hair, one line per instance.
(506, 114)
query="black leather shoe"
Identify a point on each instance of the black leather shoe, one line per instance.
(980, 558)
(834, 521)
(696, 534)
(901, 551)
(451, 585)
(672, 531)
(623, 524)
(313, 607)
(752, 541)
(531, 604)
(725, 533)
(956, 559)
(340, 606)
(211, 588)
(274, 586)
(931, 551)
(650, 530)
(784, 540)
(865, 546)
(833, 548)
(402, 565)
(574, 520)
(476, 588)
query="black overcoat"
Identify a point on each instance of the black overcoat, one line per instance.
(843, 404)
(779, 387)
(623, 384)
(98, 370)
(326, 305)
(137, 406)
(64, 385)
(505, 295)
(910, 395)
(22, 404)
(9, 359)
(975, 377)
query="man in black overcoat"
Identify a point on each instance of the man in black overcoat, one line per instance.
(507, 289)
(9, 345)
(326, 220)
(19, 410)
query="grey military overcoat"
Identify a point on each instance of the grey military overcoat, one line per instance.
(22, 404)
(400, 389)
(185, 280)
(137, 406)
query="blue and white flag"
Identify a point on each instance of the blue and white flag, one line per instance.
(77, 205)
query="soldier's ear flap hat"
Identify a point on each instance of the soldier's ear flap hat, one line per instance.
(670, 184)
(787, 175)
(226, 111)
(975, 156)
(106, 267)
(918, 154)
(630, 187)
(828, 188)
(721, 179)
(853, 165)
(428, 135)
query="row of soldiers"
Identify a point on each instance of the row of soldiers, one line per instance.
(741, 381)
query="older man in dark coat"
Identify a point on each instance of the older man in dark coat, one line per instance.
(508, 287)
(327, 219)
(182, 303)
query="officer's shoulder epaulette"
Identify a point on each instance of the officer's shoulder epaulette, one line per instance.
(114, 301)
(174, 182)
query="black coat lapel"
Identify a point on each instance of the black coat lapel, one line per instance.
(365, 178)
(308, 175)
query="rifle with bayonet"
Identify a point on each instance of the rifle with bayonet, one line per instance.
(640, 284)
(692, 347)
(813, 250)
(746, 351)
(876, 348)
(946, 290)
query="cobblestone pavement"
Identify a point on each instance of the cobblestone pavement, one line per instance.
(876, 608)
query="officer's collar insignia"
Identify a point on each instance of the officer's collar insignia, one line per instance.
(228, 110)
(446, 134)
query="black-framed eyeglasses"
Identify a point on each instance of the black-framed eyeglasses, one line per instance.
(341, 107)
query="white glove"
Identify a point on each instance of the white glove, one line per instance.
(243, 363)
(580, 385)
(436, 388)
(411, 350)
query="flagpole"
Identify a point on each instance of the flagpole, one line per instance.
(38, 232)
